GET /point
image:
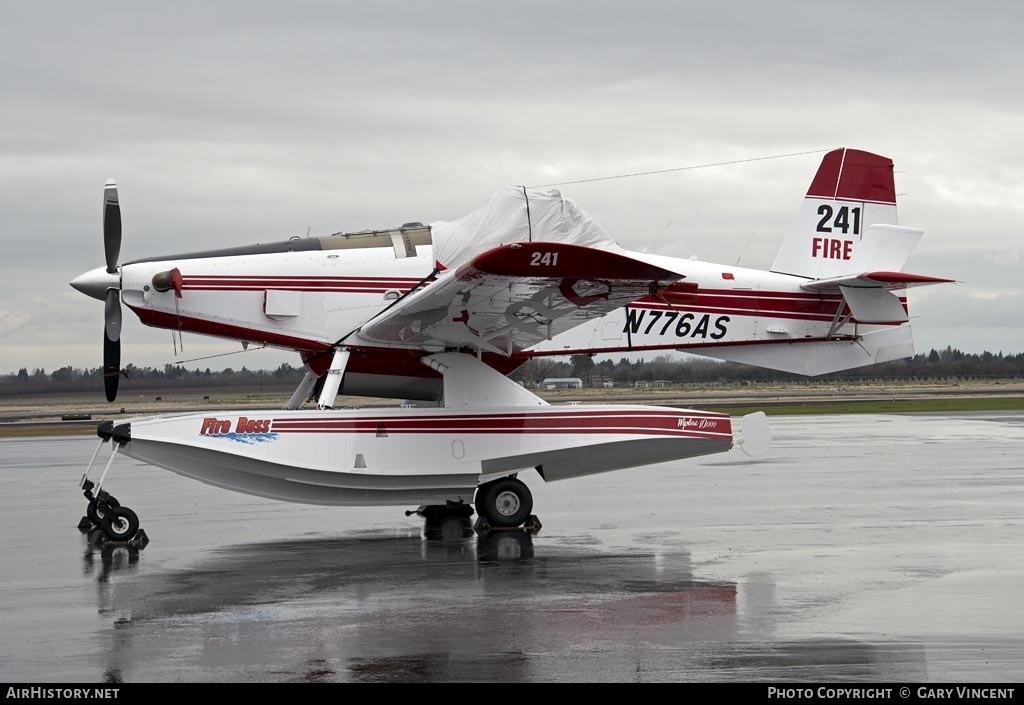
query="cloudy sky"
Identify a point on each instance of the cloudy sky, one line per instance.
(231, 123)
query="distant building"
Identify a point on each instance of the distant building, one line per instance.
(562, 383)
(656, 384)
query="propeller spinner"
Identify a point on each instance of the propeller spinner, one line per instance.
(105, 284)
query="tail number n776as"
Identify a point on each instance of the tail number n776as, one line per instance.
(682, 325)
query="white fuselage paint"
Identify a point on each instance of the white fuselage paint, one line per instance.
(310, 300)
(333, 292)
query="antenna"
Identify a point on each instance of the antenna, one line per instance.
(744, 250)
(656, 237)
(681, 168)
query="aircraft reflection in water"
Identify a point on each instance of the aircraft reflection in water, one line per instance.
(112, 558)
(384, 608)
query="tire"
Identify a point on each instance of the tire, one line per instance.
(95, 514)
(506, 502)
(120, 524)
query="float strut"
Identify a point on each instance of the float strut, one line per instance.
(92, 460)
(110, 462)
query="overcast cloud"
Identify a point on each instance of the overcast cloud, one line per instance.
(230, 123)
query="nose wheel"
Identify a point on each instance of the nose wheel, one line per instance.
(104, 512)
(98, 507)
(120, 524)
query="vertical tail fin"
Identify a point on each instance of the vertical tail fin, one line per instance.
(851, 191)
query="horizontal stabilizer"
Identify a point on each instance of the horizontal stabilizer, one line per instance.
(884, 247)
(871, 296)
(892, 281)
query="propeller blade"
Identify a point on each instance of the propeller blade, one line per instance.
(112, 300)
(111, 366)
(112, 315)
(111, 225)
(111, 343)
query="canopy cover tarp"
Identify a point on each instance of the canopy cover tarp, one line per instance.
(516, 214)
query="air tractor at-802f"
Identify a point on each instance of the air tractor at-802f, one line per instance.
(439, 314)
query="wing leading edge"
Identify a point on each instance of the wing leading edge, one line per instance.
(514, 296)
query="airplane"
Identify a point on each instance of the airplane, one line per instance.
(438, 315)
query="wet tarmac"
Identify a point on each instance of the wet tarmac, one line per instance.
(862, 548)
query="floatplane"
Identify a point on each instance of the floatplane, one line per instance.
(438, 315)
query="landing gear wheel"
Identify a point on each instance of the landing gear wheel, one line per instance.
(120, 524)
(506, 502)
(95, 514)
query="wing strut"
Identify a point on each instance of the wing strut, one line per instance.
(303, 390)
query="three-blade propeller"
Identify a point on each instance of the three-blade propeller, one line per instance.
(112, 304)
(107, 287)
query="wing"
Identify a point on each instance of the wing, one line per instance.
(512, 297)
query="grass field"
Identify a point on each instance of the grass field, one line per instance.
(899, 406)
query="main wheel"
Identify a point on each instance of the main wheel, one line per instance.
(120, 524)
(95, 514)
(505, 502)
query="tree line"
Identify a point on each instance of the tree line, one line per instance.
(934, 364)
(70, 380)
(950, 362)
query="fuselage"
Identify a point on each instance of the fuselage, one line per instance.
(311, 300)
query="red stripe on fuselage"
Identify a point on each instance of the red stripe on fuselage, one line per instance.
(699, 425)
(737, 312)
(767, 304)
(311, 289)
(352, 285)
(162, 319)
(304, 278)
(631, 430)
(551, 414)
